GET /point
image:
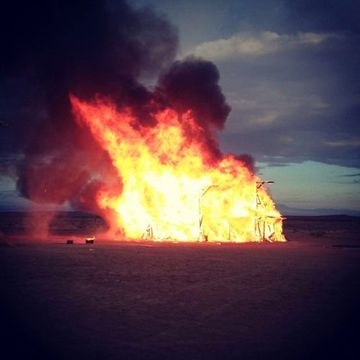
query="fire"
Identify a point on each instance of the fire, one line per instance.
(173, 187)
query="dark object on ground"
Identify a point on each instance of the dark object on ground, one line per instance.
(69, 242)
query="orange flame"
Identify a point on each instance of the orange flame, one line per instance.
(172, 186)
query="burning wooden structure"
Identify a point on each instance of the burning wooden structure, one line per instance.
(175, 184)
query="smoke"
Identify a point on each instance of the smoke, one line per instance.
(85, 47)
(54, 48)
(192, 84)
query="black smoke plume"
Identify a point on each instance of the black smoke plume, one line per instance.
(194, 84)
(54, 48)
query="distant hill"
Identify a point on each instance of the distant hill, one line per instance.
(289, 211)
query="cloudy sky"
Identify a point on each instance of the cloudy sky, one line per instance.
(290, 72)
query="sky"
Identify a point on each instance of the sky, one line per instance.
(289, 71)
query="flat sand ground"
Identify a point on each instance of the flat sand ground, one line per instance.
(186, 301)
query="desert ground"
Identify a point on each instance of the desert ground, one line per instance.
(146, 300)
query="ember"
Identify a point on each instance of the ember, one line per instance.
(173, 187)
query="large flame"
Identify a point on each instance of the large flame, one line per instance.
(172, 188)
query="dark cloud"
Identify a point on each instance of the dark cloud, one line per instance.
(297, 105)
(324, 15)
(353, 179)
(205, 20)
(351, 175)
(289, 16)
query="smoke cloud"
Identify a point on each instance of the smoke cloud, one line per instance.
(87, 48)
(192, 84)
(54, 48)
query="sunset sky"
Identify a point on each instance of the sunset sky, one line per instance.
(289, 71)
